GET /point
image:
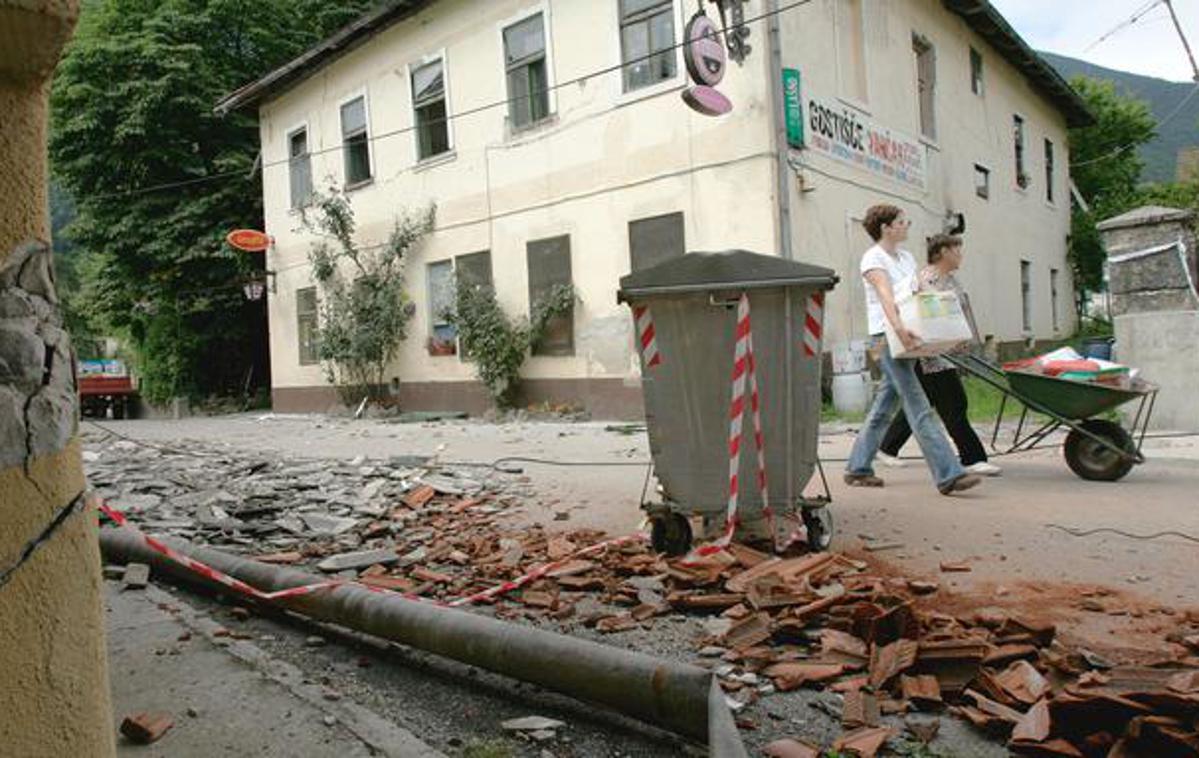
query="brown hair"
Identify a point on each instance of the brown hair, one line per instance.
(937, 245)
(878, 216)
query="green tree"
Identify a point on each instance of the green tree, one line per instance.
(132, 108)
(365, 309)
(1105, 168)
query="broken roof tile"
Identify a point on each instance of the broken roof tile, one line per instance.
(890, 660)
(865, 742)
(791, 675)
(923, 690)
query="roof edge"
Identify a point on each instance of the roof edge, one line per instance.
(322, 53)
(990, 24)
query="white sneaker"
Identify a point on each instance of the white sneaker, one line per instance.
(984, 468)
(890, 461)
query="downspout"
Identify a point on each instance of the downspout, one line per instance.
(679, 697)
(774, 46)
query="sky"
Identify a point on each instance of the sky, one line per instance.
(1069, 27)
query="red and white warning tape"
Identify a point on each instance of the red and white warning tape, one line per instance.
(813, 325)
(646, 337)
(744, 369)
(209, 572)
(543, 570)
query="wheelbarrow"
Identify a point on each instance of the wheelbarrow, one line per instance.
(1096, 449)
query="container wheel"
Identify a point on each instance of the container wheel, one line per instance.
(670, 533)
(1095, 462)
(819, 523)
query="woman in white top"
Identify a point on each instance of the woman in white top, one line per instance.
(887, 268)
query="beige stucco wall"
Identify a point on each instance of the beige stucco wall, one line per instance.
(1011, 225)
(610, 158)
(54, 694)
(606, 160)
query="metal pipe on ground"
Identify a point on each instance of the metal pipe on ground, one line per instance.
(678, 697)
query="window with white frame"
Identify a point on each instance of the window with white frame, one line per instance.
(299, 167)
(549, 267)
(982, 181)
(355, 141)
(1053, 298)
(1022, 179)
(647, 45)
(429, 110)
(926, 84)
(1026, 295)
(1049, 171)
(442, 335)
(851, 49)
(527, 71)
(307, 333)
(976, 72)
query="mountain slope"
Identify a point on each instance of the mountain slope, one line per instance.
(1163, 96)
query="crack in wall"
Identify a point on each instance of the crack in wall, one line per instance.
(38, 394)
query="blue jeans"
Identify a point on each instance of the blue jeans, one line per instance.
(901, 387)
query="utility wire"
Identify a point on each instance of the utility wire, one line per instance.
(1137, 15)
(582, 79)
(1132, 145)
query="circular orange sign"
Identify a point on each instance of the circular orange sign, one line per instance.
(250, 240)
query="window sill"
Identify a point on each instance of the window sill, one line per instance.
(359, 185)
(433, 161)
(673, 84)
(520, 132)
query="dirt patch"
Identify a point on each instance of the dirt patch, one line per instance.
(1122, 625)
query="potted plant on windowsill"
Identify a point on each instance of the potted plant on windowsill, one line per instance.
(438, 347)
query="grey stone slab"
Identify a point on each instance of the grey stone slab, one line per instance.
(358, 560)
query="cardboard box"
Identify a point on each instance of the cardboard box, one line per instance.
(938, 318)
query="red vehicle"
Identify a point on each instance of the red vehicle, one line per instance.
(104, 386)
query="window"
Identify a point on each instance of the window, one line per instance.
(356, 142)
(982, 181)
(306, 326)
(1026, 295)
(549, 267)
(976, 72)
(1053, 296)
(851, 49)
(429, 107)
(299, 166)
(647, 42)
(1049, 171)
(926, 84)
(442, 335)
(654, 240)
(528, 79)
(474, 269)
(1018, 141)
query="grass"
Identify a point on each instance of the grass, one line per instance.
(488, 749)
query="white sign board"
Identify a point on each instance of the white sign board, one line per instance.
(842, 133)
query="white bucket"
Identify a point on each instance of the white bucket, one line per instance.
(851, 392)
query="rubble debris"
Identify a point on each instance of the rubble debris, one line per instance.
(146, 727)
(821, 621)
(114, 572)
(789, 748)
(532, 724)
(358, 560)
(952, 567)
(864, 742)
(136, 577)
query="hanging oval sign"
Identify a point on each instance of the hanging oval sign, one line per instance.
(250, 240)
(707, 101)
(703, 52)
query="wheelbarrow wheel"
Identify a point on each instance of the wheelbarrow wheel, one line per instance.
(670, 533)
(1095, 462)
(819, 523)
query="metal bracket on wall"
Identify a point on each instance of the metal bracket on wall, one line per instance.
(736, 32)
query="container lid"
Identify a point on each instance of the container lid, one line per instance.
(732, 269)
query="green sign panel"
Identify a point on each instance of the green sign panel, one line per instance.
(793, 106)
